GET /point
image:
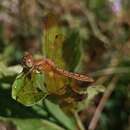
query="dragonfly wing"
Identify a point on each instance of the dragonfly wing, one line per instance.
(52, 49)
(53, 39)
(55, 83)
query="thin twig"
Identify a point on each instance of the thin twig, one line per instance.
(112, 70)
(113, 64)
(102, 103)
(79, 123)
(95, 29)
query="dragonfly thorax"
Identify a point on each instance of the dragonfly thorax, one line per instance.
(45, 65)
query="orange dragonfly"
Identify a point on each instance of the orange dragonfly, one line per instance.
(48, 66)
(46, 76)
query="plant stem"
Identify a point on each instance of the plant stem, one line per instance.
(107, 94)
(79, 123)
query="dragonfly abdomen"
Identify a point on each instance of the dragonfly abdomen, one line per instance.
(76, 76)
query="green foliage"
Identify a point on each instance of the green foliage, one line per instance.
(93, 26)
(72, 49)
(67, 121)
(28, 89)
(92, 92)
(31, 124)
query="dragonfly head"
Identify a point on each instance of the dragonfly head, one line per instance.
(27, 60)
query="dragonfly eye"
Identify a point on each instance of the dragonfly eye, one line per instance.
(27, 60)
(29, 63)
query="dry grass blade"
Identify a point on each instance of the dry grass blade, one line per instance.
(102, 103)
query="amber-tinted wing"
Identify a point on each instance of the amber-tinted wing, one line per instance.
(53, 49)
(52, 42)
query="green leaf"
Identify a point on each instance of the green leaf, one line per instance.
(8, 71)
(31, 124)
(28, 90)
(72, 49)
(91, 92)
(67, 121)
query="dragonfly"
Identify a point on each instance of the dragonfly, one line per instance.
(46, 76)
(48, 66)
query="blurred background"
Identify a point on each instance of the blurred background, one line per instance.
(98, 31)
